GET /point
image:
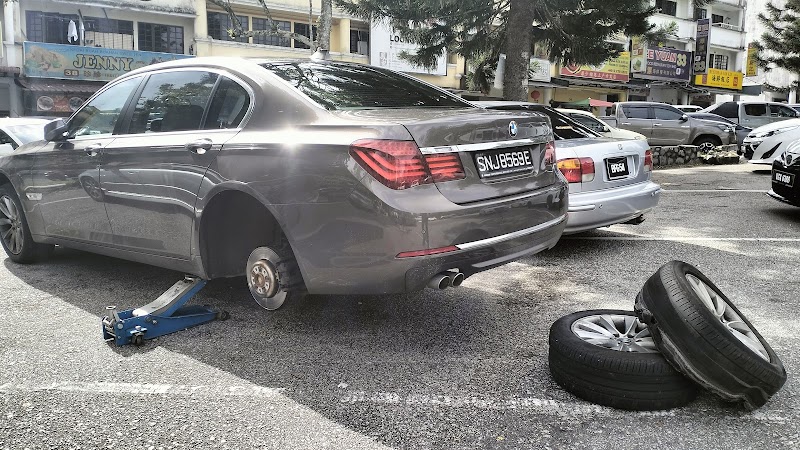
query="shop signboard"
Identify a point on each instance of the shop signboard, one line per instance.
(701, 46)
(727, 79)
(752, 61)
(663, 64)
(386, 47)
(75, 62)
(539, 70)
(614, 69)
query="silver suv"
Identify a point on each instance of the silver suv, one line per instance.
(753, 114)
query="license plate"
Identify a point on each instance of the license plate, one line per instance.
(786, 179)
(617, 167)
(504, 162)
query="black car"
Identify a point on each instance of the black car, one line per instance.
(741, 131)
(785, 171)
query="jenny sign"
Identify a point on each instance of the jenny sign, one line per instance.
(386, 46)
(662, 63)
(614, 69)
(74, 62)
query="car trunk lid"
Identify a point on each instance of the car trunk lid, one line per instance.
(617, 163)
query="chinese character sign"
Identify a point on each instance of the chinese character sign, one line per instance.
(614, 69)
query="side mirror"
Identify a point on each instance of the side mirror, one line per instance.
(54, 131)
(605, 129)
(684, 118)
(6, 149)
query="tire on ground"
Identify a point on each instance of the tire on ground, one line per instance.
(26, 251)
(701, 343)
(619, 379)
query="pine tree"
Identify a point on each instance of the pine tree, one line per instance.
(574, 31)
(780, 44)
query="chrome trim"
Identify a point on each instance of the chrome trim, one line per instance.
(484, 146)
(507, 237)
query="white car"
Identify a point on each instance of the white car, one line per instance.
(18, 131)
(765, 143)
(590, 121)
(688, 108)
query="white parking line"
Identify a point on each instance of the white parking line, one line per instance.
(143, 388)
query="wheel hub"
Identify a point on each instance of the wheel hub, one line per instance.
(263, 279)
(615, 332)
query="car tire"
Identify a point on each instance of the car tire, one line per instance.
(607, 357)
(15, 235)
(719, 349)
(707, 143)
(273, 276)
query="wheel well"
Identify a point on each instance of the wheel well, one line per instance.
(714, 138)
(231, 226)
(4, 179)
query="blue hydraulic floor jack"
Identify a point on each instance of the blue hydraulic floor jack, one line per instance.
(164, 315)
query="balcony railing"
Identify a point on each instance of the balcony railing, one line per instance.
(727, 26)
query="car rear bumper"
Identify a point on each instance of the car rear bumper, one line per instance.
(355, 249)
(589, 210)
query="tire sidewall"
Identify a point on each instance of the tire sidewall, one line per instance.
(27, 241)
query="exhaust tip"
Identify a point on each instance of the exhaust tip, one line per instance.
(439, 281)
(456, 279)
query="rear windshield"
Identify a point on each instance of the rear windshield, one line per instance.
(563, 126)
(336, 86)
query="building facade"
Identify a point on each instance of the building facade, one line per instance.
(57, 53)
(776, 77)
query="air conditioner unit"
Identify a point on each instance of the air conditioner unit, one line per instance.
(362, 47)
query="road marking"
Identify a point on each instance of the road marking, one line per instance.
(536, 405)
(703, 191)
(675, 238)
(143, 388)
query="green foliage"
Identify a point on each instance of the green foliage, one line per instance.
(780, 44)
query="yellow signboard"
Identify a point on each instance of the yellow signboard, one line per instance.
(727, 79)
(614, 69)
(752, 64)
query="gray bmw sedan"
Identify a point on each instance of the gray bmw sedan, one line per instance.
(304, 176)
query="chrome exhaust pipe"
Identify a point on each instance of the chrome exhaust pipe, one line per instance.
(456, 278)
(439, 281)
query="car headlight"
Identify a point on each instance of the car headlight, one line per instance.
(724, 128)
(766, 134)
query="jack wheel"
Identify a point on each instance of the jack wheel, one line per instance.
(222, 315)
(137, 340)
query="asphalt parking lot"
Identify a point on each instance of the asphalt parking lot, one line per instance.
(460, 368)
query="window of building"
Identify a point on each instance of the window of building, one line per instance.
(160, 38)
(53, 28)
(667, 7)
(716, 18)
(271, 39)
(359, 42)
(302, 28)
(700, 13)
(108, 33)
(220, 23)
(718, 61)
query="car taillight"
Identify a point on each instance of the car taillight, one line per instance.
(400, 164)
(550, 153)
(577, 170)
(648, 160)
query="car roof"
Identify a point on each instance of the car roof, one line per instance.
(11, 121)
(575, 111)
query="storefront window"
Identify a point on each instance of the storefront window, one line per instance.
(160, 38)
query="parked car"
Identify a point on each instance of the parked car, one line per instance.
(595, 124)
(785, 173)
(753, 114)
(18, 131)
(764, 144)
(741, 130)
(688, 108)
(287, 173)
(609, 180)
(794, 106)
(663, 125)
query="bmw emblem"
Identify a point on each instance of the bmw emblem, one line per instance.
(512, 128)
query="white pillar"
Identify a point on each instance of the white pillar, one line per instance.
(8, 34)
(344, 36)
(200, 20)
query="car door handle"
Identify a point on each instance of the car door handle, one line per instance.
(625, 123)
(199, 146)
(656, 124)
(93, 149)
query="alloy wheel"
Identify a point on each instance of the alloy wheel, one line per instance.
(615, 332)
(10, 225)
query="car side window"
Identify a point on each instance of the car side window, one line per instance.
(172, 101)
(663, 113)
(781, 111)
(228, 107)
(100, 115)
(6, 139)
(635, 112)
(727, 109)
(755, 109)
(588, 122)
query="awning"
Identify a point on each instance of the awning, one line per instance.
(553, 83)
(60, 86)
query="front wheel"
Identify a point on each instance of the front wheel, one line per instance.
(14, 232)
(273, 276)
(706, 144)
